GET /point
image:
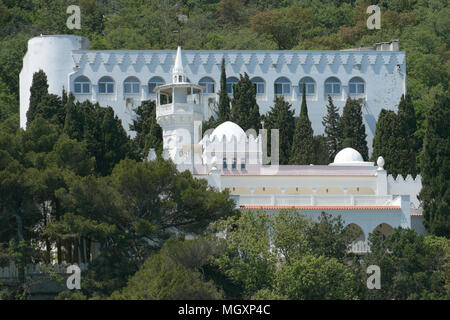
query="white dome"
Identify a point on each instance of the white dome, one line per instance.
(348, 155)
(229, 130)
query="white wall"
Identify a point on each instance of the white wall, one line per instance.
(53, 54)
(385, 83)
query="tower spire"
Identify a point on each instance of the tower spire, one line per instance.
(178, 69)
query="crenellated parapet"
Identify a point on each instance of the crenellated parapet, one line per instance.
(122, 79)
(192, 59)
(406, 186)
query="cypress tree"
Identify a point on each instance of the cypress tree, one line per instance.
(435, 168)
(114, 142)
(245, 110)
(224, 100)
(73, 125)
(281, 117)
(394, 139)
(384, 140)
(302, 151)
(332, 129)
(353, 128)
(321, 150)
(407, 143)
(38, 90)
(148, 131)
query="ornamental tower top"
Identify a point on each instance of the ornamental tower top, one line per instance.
(178, 75)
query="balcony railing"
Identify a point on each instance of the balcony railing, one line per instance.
(359, 247)
(177, 108)
(315, 200)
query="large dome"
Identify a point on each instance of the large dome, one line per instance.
(348, 155)
(229, 130)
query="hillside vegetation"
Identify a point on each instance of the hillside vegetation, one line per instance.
(422, 26)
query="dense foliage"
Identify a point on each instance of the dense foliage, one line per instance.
(75, 180)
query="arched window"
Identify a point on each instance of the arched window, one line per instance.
(105, 85)
(310, 86)
(154, 82)
(230, 82)
(260, 85)
(332, 86)
(282, 86)
(208, 83)
(131, 85)
(82, 85)
(357, 86)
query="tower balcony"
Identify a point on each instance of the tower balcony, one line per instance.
(176, 108)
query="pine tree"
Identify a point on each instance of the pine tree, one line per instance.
(245, 110)
(302, 151)
(332, 129)
(224, 99)
(38, 90)
(281, 117)
(353, 128)
(435, 165)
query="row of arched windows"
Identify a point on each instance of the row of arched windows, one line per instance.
(106, 85)
(282, 86)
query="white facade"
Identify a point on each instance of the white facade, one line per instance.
(376, 76)
(228, 158)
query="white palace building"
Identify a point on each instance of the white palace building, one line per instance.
(185, 87)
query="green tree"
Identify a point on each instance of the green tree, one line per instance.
(321, 151)
(245, 110)
(353, 128)
(148, 131)
(385, 140)
(329, 238)
(407, 142)
(73, 124)
(247, 259)
(281, 117)
(174, 273)
(315, 278)
(8, 104)
(39, 90)
(302, 151)
(290, 230)
(435, 193)
(332, 129)
(412, 266)
(224, 101)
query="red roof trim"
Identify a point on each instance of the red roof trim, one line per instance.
(297, 175)
(325, 207)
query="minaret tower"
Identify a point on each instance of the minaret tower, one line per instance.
(180, 113)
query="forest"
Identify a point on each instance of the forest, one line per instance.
(76, 180)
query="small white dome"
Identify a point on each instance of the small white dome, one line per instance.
(348, 155)
(229, 130)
